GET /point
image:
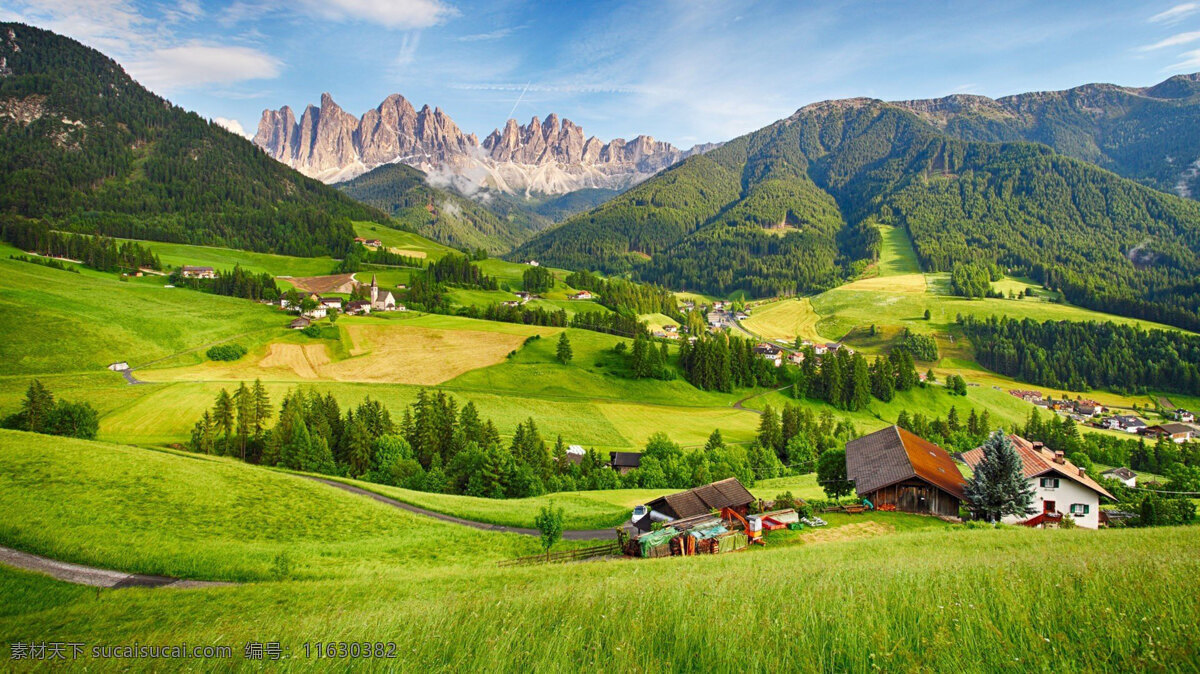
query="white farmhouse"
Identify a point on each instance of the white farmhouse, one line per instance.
(1061, 487)
(1126, 476)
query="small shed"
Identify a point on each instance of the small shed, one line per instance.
(701, 501)
(623, 462)
(120, 366)
(300, 323)
(895, 467)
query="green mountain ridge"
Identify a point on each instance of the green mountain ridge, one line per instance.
(85, 147)
(790, 209)
(440, 214)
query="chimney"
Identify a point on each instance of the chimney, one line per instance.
(1038, 445)
(1082, 471)
(1059, 458)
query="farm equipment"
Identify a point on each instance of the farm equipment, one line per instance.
(753, 526)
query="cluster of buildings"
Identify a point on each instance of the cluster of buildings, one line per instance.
(378, 299)
(1092, 412)
(897, 470)
(369, 243)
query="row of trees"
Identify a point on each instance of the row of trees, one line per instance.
(848, 382)
(96, 252)
(439, 447)
(235, 283)
(952, 432)
(41, 413)
(1080, 356)
(974, 279)
(618, 294)
(722, 362)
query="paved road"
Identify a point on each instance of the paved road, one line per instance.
(90, 575)
(575, 535)
(133, 381)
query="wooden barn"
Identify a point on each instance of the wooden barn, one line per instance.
(698, 502)
(895, 467)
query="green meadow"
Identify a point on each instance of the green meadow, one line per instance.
(320, 564)
(178, 254)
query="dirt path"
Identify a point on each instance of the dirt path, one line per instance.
(90, 575)
(739, 404)
(576, 535)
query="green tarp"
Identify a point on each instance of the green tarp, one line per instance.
(735, 541)
(711, 532)
(653, 539)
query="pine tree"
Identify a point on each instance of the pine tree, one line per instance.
(860, 384)
(223, 417)
(243, 402)
(563, 352)
(770, 435)
(36, 407)
(998, 487)
(262, 409)
(952, 421)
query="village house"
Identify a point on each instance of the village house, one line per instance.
(300, 323)
(316, 312)
(1124, 475)
(701, 501)
(119, 366)
(1175, 432)
(623, 462)
(1184, 416)
(897, 468)
(334, 303)
(1124, 422)
(714, 319)
(670, 328)
(358, 307)
(511, 303)
(523, 296)
(741, 316)
(769, 351)
(1060, 487)
(533, 263)
(189, 271)
(582, 295)
(796, 357)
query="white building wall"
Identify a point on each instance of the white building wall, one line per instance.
(1068, 493)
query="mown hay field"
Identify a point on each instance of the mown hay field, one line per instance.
(785, 319)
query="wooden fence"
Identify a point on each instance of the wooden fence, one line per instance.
(605, 550)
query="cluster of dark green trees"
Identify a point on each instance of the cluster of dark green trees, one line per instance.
(953, 432)
(1080, 356)
(360, 257)
(437, 446)
(974, 279)
(537, 280)
(648, 360)
(849, 382)
(799, 438)
(227, 352)
(723, 362)
(96, 252)
(619, 294)
(41, 413)
(458, 270)
(921, 347)
(107, 156)
(235, 283)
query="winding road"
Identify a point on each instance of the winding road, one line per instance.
(570, 535)
(93, 576)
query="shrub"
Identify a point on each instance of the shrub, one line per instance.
(226, 352)
(312, 331)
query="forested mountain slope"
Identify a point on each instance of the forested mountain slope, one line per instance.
(86, 147)
(442, 215)
(789, 208)
(1150, 134)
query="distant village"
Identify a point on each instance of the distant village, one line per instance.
(1180, 430)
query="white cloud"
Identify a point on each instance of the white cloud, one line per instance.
(1173, 41)
(1191, 61)
(497, 34)
(185, 67)
(231, 125)
(387, 13)
(406, 51)
(1176, 13)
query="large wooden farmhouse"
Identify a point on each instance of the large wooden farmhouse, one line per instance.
(893, 467)
(728, 493)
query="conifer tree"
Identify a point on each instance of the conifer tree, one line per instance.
(563, 353)
(998, 487)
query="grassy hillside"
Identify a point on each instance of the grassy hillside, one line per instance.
(198, 517)
(54, 321)
(957, 599)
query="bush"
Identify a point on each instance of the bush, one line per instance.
(311, 331)
(226, 352)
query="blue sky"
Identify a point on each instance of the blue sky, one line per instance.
(685, 72)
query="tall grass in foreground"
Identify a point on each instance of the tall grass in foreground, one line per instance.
(959, 600)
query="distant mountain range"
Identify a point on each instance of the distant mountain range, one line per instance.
(544, 157)
(794, 207)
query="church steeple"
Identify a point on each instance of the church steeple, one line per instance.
(374, 290)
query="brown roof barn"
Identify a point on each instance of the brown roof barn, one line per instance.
(623, 462)
(728, 493)
(894, 467)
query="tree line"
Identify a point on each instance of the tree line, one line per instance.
(1081, 356)
(97, 252)
(235, 283)
(41, 413)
